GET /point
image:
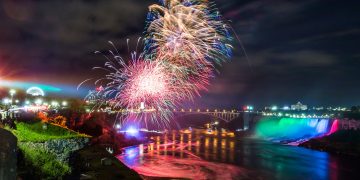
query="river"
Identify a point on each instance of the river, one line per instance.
(197, 155)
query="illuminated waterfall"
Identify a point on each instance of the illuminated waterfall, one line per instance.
(294, 129)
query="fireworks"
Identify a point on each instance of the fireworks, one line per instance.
(141, 81)
(185, 40)
(189, 36)
(143, 88)
(187, 33)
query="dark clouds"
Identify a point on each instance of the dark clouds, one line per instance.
(56, 36)
(298, 50)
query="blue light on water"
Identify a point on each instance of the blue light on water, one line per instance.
(131, 155)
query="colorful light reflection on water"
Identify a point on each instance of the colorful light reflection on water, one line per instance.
(172, 156)
(200, 156)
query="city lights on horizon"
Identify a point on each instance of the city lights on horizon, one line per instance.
(284, 111)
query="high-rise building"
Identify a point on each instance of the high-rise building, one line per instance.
(299, 107)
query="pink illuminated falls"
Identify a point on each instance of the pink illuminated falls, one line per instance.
(334, 127)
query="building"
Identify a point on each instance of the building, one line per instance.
(298, 107)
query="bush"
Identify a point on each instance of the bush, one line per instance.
(35, 132)
(42, 116)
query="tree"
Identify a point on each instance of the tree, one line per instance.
(59, 120)
(354, 109)
(42, 116)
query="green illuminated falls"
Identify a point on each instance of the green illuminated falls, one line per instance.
(293, 129)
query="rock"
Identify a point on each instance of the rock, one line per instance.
(85, 176)
(106, 162)
(7, 155)
(61, 148)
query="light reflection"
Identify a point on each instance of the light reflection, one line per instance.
(131, 154)
(181, 137)
(157, 142)
(151, 149)
(173, 136)
(223, 150)
(231, 151)
(215, 142)
(190, 162)
(173, 144)
(197, 146)
(189, 142)
(207, 148)
(141, 153)
(181, 145)
(165, 144)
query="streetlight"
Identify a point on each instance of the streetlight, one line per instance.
(274, 108)
(38, 102)
(12, 93)
(6, 101)
(54, 103)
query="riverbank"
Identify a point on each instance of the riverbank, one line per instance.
(94, 162)
(47, 151)
(343, 143)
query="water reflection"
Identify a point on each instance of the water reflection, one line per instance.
(201, 156)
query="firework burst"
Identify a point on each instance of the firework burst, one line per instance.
(190, 36)
(185, 40)
(144, 91)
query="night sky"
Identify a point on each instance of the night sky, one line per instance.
(304, 51)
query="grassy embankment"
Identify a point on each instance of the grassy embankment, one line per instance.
(34, 132)
(39, 161)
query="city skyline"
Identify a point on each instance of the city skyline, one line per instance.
(22, 98)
